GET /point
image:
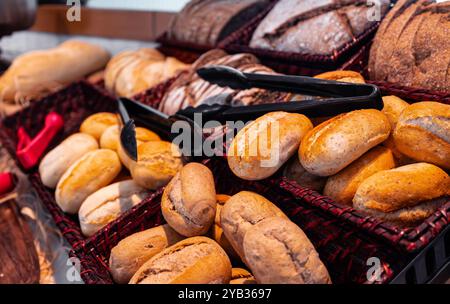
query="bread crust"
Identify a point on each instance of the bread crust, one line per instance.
(196, 260)
(93, 171)
(97, 123)
(188, 203)
(336, 143)
(278, 252)
(133, 251)
(423, 133)
(342, 186)
(58, 160)
(241, 276)
(263, 146)
(405, 192)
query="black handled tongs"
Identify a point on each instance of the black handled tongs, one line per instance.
(342, 97)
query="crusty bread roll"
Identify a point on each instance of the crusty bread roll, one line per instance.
(423, 133)
(93, 171)
(342, 186)
(241, 212)
(393, 107)
(110, 138)
(58, 160)
(344, 76)
(158, 162)
(108, 203)
(38, 73)
(196, 260)
(294, 171)
(241, 276)
(97, 123)
(336, 143)
(132, 252)
(403, 195)
(278, 252)
(188, 203)
(263, 146)
(132, 72)
(216, 231)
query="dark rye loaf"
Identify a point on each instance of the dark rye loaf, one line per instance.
(206, 22)
(412, 46)
(317, 27)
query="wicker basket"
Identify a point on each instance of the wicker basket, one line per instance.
(342, 248)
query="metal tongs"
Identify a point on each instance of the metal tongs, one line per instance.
(343, 97)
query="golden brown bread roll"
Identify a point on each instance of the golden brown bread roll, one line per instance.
(132, 72)
(241, 276)
(108, 203)
(263, 146)
(110, 139)
(38, 73)
(405, 194)
(278, 252)
(393, 107)
(93, 171)
(342, 186)
(336, 143)
(344, 76)
(241, 212)
(97, 123)
(196, 260)
(423, 133)
(58, 160)
(216, 231)
(188, 203)
(158, 162)
(132, 252)
(294, 171)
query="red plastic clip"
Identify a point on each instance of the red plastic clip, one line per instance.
(29, 151)
(7, 182)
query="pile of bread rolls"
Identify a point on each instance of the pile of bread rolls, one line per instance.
(37, 74)
(93, 176)
(132, 72)
(207, 233)
(390, 163)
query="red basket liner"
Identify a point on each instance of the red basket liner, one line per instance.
(290, 62)
(342, 247)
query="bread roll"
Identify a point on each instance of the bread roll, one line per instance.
(344, 76)
(158, 162)
(196, 260)
(336, 143)
(423, 133)
(97, 123)
(403, 195)
(263, 146)
(393, 107)
(241, 276)
(241, 212)
(216, 231)
(38, 73)
(93, 171)
(278, 252)
(108, 203)
(58, 160)
(188, 203)
(132, 252)
(294, 171)
(342, 186)
(110, 139)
